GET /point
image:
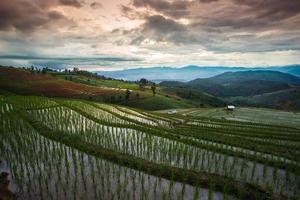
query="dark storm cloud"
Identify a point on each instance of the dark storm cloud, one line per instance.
(137, 40)
(73, 3)
(112, 59)
(96, 5)
(272, 9)
(161, 29)
(234, 13)
(132, 13)
(207, 1)
(27, 15)
(255, 14)
(221, 25)
(160, 24)
(175, 9)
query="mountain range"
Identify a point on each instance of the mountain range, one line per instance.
(256, 88)
(188, 73)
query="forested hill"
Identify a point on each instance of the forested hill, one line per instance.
(247, 85)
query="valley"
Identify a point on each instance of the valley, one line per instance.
(77, 135)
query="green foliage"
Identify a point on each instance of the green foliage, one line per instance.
(102, 145)
(127, 94)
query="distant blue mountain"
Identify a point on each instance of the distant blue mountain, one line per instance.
(187, 73)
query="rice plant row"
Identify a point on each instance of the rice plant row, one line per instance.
(208, 147)
(44, 169)
(161, 150)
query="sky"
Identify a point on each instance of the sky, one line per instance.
(123, 34)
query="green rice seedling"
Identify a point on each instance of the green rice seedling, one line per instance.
(253, 171)
(220, 154)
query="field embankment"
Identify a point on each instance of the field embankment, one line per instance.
(105, 150)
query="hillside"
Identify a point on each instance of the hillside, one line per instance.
(188, 73)
(247, 114)
(288, 99)
(195, 95)
(88, 86)
(236, 88)
(20, 81)
(251, 88)
(159, 74)
(246, 83)
(230, 77)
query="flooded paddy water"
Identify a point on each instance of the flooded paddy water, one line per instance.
(40, 168)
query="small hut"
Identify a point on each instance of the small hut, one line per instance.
(231, 107)
(172, 112)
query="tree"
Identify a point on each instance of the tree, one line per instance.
(127, 94)
(142, 84)
(32, 69)
(75, 69)
(44, 70)
(143, 81)
(113, 99)
(153, 88)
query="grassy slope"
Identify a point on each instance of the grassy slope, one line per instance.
(165, 98)
(100, 82)
(284, 99)
(194, 96)
(261, 115)
(159, 102)
(23, 82)
(253, 88)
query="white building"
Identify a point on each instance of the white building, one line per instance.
(230, 107)
(172, 112)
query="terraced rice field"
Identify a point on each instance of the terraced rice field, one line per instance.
(244, 114)
(75, 149)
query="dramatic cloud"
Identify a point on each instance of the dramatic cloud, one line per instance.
(175, 9)
(96, 5)
(272, 9)
(112, 59)
(27, 15)
(74, 3)
(219, 25)
(159, 27)
(62, 62)
(153, 32)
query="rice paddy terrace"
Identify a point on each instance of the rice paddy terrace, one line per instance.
(74, 149)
